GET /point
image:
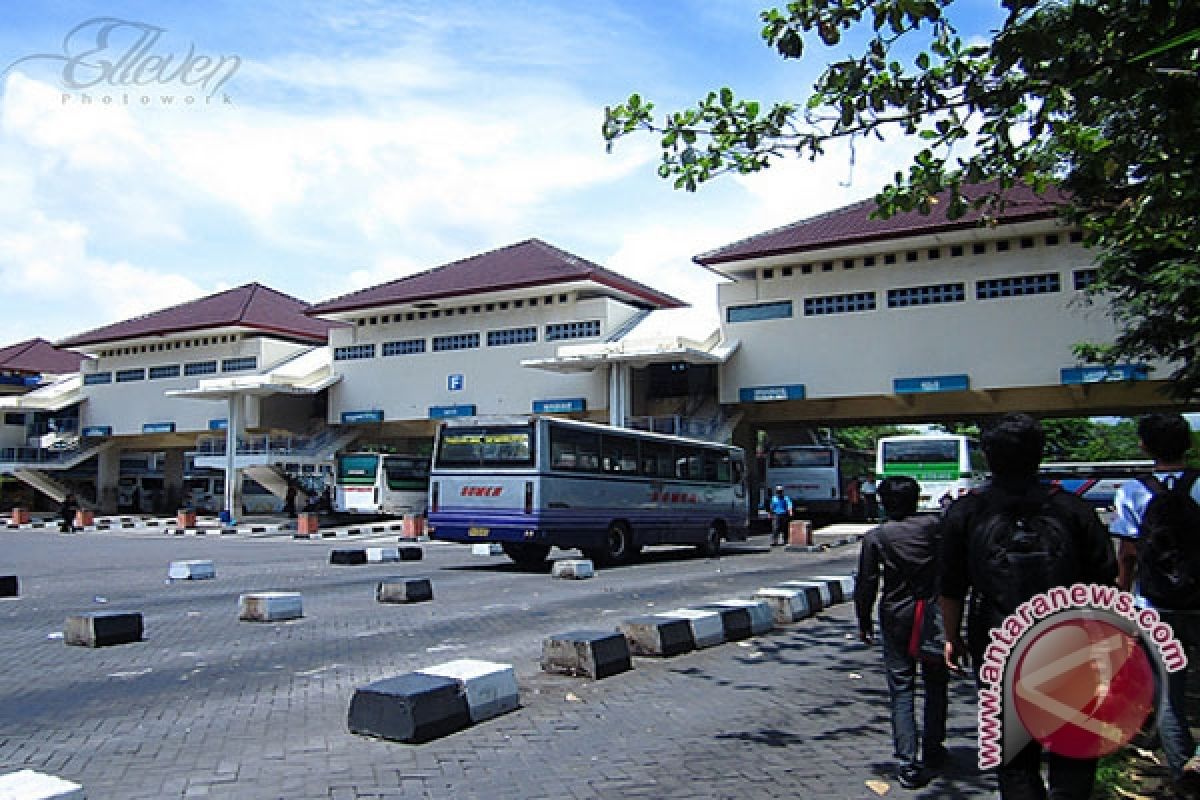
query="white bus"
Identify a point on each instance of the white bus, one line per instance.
(540, 482)
(945, 465)
(381, 483)
(819, 479)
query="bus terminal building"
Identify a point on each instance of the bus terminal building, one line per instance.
(836, 319)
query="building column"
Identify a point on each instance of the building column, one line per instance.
(173, 480)
(233, 476)
(618, 394)
(108, 475)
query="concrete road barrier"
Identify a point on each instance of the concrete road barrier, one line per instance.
(844, 584)
(411, 553)
(762, 618)
(379, 555)
(409, 708)
(820, 596)
(707, 630)
(270, 606)
(348, 557)
(103, 628)
(577, 568)
(735, 621)
(658, 636)
(196, 570)
(596, 654)
(27, 784)
(9, 585)
(787, 605)
(403, 590)
(490, 688)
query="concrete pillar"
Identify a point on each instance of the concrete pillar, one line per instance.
(108, 474)
(746, 437)
(233, 476)
(618, 394)
(173, 481)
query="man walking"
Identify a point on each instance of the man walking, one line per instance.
(903, 550)
(1158, 521)
(781, 516)
(1006, 543)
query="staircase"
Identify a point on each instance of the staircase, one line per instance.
(270, 477)
(49, 486)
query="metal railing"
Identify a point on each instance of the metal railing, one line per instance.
(39, 455)
(268, 444)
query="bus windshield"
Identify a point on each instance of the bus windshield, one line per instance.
(499, 446)
(922, 451)
(802, 457)
(357, 469)
(405, 472)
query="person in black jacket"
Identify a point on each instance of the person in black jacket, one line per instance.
(974, 559)
(903, 551)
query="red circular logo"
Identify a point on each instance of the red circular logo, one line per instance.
(1083, 688)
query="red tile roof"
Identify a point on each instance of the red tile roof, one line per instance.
(38, 356)
(525, 264)
(251, 306)
(853, 224)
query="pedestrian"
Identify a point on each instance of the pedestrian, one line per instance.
(781, 516)
(875, 512)
(1157, 519)
(1005, 543)
(66, 513)
(903, 550)
(289, 503)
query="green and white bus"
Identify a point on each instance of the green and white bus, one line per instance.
(944, 464)
(379, 483)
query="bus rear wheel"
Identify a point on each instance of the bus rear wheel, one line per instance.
(527, 555)
(618, 546)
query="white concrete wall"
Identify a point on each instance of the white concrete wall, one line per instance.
(406, 386)
(126, 407)
(11, 435)
(860, 353)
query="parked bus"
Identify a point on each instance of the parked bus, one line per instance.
(818, 478)
(945, 465)
(380, 483)
(540, 482)
(1094, 481)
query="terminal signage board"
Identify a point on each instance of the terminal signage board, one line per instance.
(158, 427)
(361, 417)
(768, 394)
(1103, 374)
(565, 405)
(448, 412)
(218, 424)
(932, 383)
(97, 431)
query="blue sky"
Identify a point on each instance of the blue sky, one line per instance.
(369, 140)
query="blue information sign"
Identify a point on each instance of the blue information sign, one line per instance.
(446, 412)
(454, 383)
(565, 405)
(97, 431)
(158, 427)
(218, 424)
(767, 394)
(360, 417)
(1102, 374)
(931, 383)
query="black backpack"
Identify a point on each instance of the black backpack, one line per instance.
(1025, 548)
(1168, 544)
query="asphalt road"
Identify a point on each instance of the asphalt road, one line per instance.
(208, 706)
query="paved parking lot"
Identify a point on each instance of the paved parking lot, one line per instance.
(208, 706)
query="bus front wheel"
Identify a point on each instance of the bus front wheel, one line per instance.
(527, 555)
(618, 546)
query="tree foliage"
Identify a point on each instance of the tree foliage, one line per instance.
(1099, 97)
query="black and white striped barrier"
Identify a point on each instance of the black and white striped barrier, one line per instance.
(103, 628)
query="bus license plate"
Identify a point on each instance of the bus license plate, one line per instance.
(478, 531)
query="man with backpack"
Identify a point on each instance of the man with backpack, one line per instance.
(1006, 543)
(904, 550)
(1158, 521)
